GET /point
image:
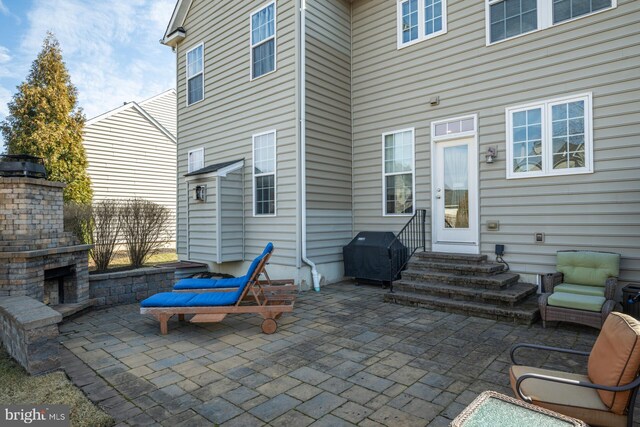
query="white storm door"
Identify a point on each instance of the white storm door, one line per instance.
(455, 196)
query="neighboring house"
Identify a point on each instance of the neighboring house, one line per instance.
(132, 151)
(505, 119)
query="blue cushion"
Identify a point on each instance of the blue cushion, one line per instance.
(213, 299)
(187, 299)
(168, 299)
(195, 284)
(186, 284)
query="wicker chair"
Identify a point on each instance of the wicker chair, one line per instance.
(583, 289)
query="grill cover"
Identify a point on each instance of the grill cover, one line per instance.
(374, 255)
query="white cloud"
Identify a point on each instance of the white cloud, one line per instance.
(111, 48)
(3, 9)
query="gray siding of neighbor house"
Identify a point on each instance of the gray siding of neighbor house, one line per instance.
(328, 131)
(130, 157)
(235, 108)
(598, 54)
(231, 218)
(163, 108)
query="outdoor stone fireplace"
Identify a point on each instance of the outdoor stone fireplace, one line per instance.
(38, 258)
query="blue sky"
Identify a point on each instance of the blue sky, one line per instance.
(111, 47)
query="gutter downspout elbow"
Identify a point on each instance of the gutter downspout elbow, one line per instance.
(303, 150)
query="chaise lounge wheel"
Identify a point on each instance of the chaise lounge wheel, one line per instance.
(269, 326)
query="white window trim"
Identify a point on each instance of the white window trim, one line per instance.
(421, 35)
(201, 150)
(545, 18)
(274, 37)
(413, 174)
(274, 173)
(547, 141)
(186, 72)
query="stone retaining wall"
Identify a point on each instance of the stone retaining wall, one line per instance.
(128, 287)
(29, 332)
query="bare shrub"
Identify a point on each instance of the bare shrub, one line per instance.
(106, 226)
(78, 220)
(145, 227)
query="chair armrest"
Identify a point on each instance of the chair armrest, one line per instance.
(551, 280)
(635, 383)
(545, 348)
(610, 287)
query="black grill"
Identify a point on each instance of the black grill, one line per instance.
(22, 165)
(374, 255)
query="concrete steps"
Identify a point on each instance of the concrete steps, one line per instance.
(465, 284)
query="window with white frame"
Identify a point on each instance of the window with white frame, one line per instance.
(398, 172)
(263, 41)
(420, 20)
(195, 160)
(264, 173)
(195, 74)
(550, 138)
(510, 18)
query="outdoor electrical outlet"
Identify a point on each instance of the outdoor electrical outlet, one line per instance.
(539, 237)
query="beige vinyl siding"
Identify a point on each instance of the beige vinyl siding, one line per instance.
(598, 54)
(234, 108)
(163, 108)
(230, 216)
(130, 157)
(202, 230)
(328, 129)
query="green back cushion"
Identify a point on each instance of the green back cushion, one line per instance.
(588, 268)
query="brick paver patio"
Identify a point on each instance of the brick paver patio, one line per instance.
(342, 358)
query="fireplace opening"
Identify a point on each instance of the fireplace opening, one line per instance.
(58, 283)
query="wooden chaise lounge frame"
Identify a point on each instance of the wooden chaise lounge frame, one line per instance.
(267, 298)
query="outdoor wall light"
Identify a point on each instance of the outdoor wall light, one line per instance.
(492, 153)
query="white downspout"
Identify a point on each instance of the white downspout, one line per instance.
(303, 149)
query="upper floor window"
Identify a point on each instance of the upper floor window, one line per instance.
(420, 20)
(550, 138)
(195, 74)
(263, 41)
(398, 171)
(264, 173)
(510, 18)
(195, 160)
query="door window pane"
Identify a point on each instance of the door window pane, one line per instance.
(456, 186)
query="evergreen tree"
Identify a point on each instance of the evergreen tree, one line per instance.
(45, 121)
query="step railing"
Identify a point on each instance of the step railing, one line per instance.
(413, 237)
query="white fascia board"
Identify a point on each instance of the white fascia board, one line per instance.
(177, 18)
(154, 122)
(219, 173)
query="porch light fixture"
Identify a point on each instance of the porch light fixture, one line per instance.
(492, 153)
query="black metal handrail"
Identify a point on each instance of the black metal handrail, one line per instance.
(413, 237)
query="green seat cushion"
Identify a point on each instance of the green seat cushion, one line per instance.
(576, 301)
(587, 268)
(568, 288)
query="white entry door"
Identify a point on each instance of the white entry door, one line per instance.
(455, 193)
